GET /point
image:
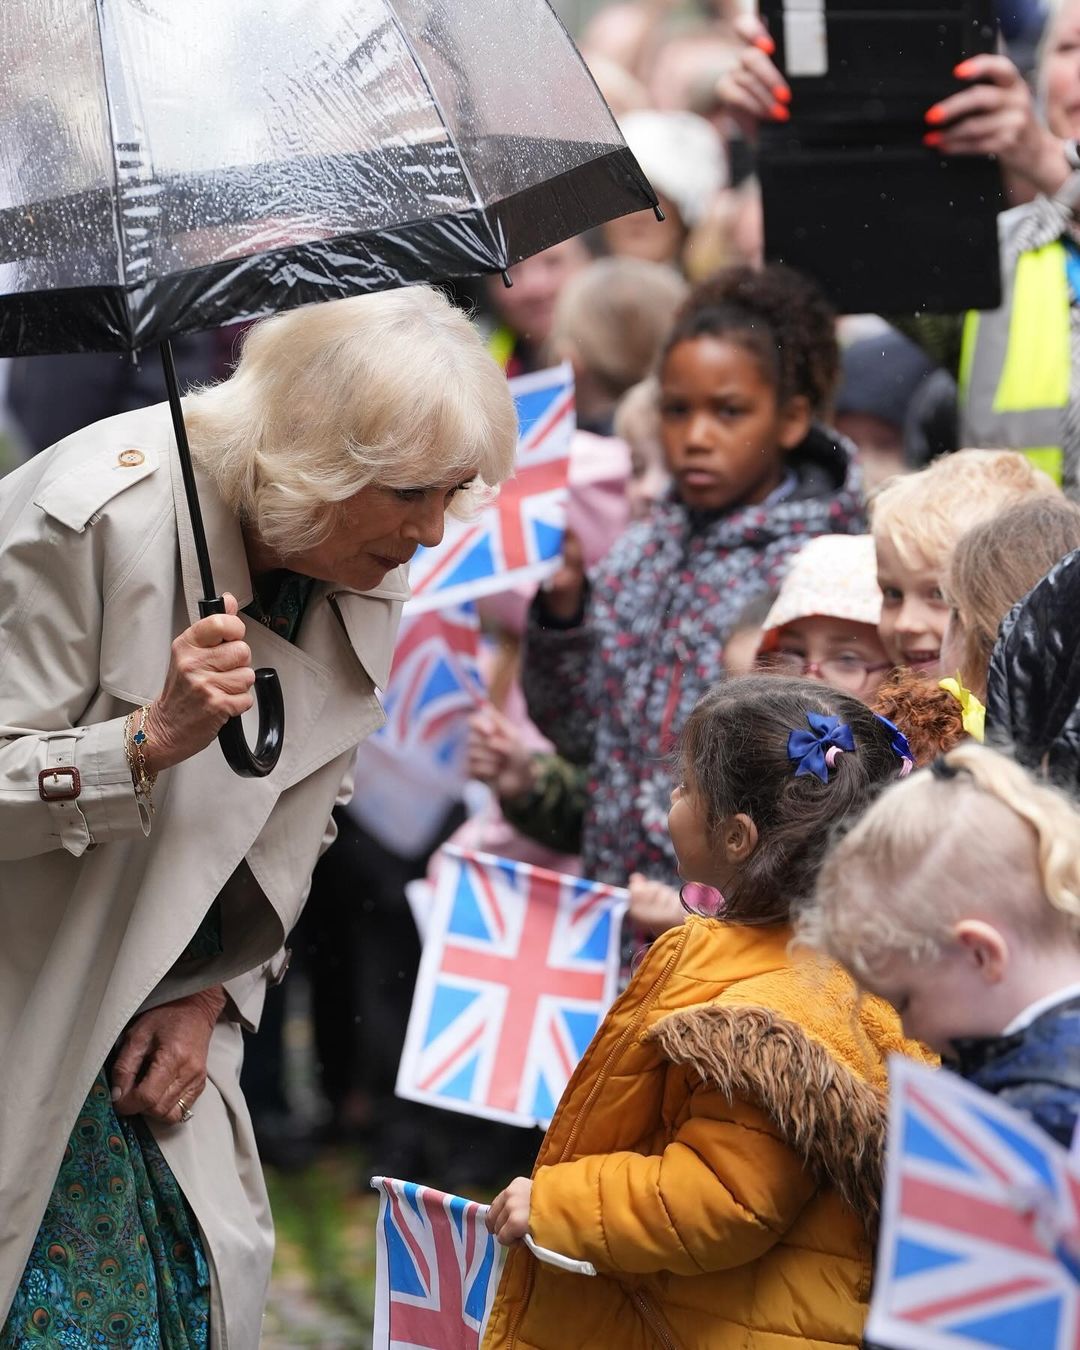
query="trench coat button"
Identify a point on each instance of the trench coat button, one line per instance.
(130, 459)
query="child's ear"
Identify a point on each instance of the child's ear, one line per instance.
(985, 946)
(796, 418)
(740, 838)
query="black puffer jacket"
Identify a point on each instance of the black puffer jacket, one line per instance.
(1033, 688)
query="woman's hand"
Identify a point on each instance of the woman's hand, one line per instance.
(497, 755)
(654, 906)
(209, 680)
(508, 1217)
(754, 91)
(162, 1058)
(564, 594)
(996, 116)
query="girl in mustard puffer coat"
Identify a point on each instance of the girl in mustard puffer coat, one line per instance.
(716, 1154)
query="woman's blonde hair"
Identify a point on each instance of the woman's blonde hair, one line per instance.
(976, 836)
(394, 388)
(924, 514)
(997, 563)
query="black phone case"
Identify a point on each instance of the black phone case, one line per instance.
(851, 195)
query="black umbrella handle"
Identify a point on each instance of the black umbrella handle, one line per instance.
(238, 754)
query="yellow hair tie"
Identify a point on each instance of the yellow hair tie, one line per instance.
(974, 711)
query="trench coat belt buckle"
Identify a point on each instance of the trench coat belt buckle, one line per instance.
(59, 786)
(60, 783)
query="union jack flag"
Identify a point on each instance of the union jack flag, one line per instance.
(980, 1224)
(519, 966)
(435, 683)
(436, 1269)
(519, 538)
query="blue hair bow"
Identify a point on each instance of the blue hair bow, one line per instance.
(807, 749)
(899, 743)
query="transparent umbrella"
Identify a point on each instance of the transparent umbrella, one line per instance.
(170, 167)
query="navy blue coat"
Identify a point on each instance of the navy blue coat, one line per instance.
(1037, 1070)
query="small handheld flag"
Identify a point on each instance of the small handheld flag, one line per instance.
(519, 966)
(520, 537)
(436, 1269)
(980, 1234)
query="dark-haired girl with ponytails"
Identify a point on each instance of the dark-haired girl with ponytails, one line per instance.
(717, 1152)
(615, 661)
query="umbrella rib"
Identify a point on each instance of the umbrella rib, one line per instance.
(478, 202)
(599, 92)
(99, 12)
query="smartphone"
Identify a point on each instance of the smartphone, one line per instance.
(850, 193)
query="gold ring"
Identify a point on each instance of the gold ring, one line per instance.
(185, 1111)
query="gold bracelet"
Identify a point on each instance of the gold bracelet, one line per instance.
(135, 739)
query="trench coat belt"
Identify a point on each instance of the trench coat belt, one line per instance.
(59, 787)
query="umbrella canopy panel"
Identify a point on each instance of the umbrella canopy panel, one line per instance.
(168, 167)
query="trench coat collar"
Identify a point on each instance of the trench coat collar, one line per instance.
(224, 540)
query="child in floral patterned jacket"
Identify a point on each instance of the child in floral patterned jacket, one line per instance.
(614, 662)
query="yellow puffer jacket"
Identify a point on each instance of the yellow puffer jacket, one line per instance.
(716, 1155)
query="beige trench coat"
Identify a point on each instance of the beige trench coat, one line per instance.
(98, 899)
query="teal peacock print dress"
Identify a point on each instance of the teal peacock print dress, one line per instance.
(118, 1261)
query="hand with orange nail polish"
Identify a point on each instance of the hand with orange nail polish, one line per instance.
(754, 91)
(995, 115)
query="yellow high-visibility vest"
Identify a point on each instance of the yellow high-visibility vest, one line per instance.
(1015, 363)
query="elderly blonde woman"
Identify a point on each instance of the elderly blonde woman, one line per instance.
(145, 891)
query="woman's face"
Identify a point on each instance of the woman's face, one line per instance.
(377, 529)
(1059, 73)
(723, 433)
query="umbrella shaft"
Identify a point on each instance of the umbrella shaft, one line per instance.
(183, 450)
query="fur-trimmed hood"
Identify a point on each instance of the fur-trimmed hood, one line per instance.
(834, 1120)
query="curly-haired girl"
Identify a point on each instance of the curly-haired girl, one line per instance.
(614, 662)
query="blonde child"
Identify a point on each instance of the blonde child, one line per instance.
(716, 1153)
(956, 898)
(637, 422)
(993, 566)
(610, 321)
(917, 521)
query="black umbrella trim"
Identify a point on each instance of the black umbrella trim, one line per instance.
(465, 243)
